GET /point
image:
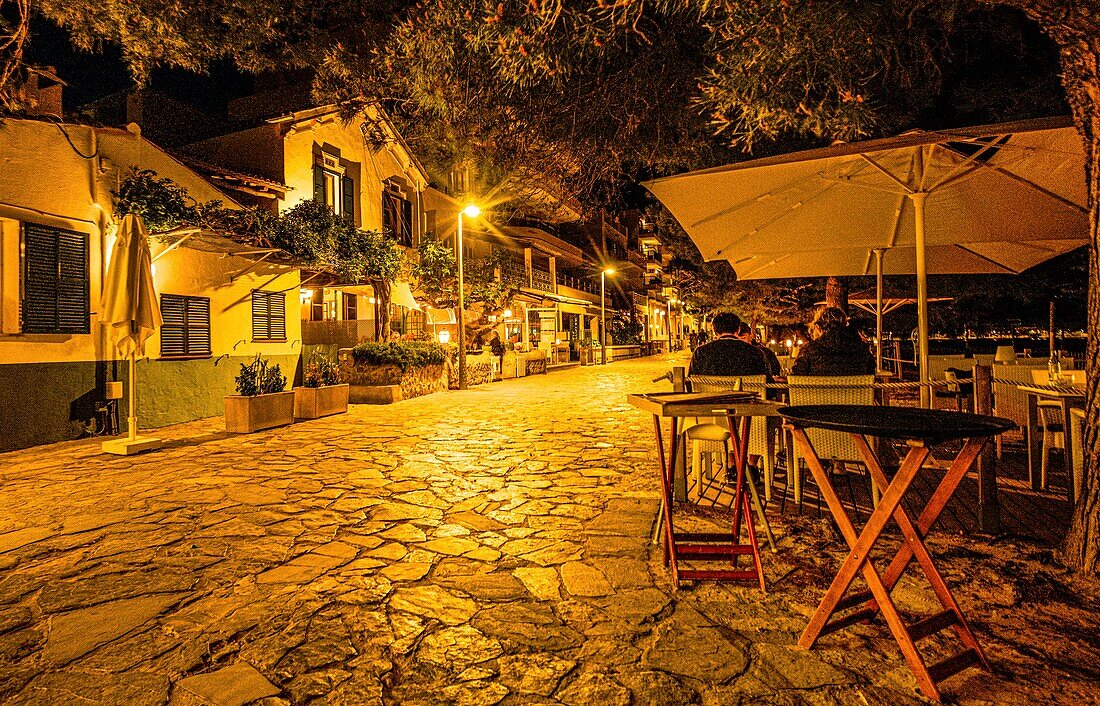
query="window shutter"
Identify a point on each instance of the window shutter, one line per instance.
(198, 326)
(318, 183)
(347, 193)
(261, 317)
(72, 289)
(186, 326)
(268, 315)
(55, 281)
(276, 302)
(406, 222)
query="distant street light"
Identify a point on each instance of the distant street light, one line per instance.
(471, 211)
(603, 314)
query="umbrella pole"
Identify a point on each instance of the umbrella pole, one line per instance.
(922, 297)
(878, 309)
(133, 397)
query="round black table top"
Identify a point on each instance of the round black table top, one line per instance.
(908, 423)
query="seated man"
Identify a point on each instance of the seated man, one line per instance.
(727, 354)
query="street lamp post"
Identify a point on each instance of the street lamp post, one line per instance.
(473, 212)
(603, 314)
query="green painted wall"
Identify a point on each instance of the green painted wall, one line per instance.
(47, 402)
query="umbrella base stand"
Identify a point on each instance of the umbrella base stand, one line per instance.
(125, 446)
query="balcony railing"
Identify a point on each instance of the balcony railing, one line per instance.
(542, 280)
(584, 284)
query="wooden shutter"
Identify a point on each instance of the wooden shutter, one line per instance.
(185, 331)
(261, 317)
(347, 194)
(173, 330)
(318, 183)
(198, 326)
(269, 316)
(406, 222)
(55, 281)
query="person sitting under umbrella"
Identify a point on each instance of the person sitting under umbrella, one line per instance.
(837, 350)
(727, 355)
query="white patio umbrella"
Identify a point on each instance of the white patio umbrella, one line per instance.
(130, 313)
(996, 198)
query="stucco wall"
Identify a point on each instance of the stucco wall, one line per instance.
(49, 383)
(304, 138)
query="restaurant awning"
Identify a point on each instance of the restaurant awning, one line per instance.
(401, 295)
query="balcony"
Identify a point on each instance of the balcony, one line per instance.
(542, 280)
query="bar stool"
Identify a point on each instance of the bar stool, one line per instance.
(710, 465)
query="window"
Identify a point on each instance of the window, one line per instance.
(332, 187)
(414, 324)
(268, 316)
(397, 215)
(55, 281)
(186, 329)
(351, 306)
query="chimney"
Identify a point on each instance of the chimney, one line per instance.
(42, 91)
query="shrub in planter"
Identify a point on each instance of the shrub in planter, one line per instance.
(260, 402)
(418, 367)
(321, 393)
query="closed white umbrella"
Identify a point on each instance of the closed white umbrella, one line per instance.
(996, 198)
(130, 314)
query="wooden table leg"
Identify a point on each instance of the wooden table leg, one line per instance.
(860, 545)
(936, 504)
(914, 546)
(666, 519)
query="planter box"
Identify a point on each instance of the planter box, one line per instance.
(314, 402)
(390, 383)
(244, 415)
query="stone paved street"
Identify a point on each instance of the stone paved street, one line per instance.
(482, 547)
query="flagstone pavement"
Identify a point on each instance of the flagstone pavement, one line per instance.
(483, 547)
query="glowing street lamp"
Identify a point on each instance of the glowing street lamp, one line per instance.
(470, 211)
(603, 314)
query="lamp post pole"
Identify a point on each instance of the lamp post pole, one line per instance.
(473, 212)
(461, 312)
(603, 313)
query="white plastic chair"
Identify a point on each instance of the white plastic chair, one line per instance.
(836, 447)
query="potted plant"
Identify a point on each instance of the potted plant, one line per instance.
(260, 402)
(321, 393)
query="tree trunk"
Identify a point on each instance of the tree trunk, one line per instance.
(1075, 26)
(381, 310)
(836, 293)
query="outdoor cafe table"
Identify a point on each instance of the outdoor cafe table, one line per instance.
(707, 545)
(1069, 397)
(920, 429)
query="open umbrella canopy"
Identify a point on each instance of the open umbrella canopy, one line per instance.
(990, 199)
(997, 198)
(129, 307)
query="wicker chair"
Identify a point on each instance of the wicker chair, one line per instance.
(835, 447)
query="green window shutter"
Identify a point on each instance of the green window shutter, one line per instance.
(347, 193)
(55, 281)
(185, 330)
(318, 183)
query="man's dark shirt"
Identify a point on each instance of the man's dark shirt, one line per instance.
(728, 356)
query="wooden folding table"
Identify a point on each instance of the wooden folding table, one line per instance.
(920, 429)
(738, 408)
